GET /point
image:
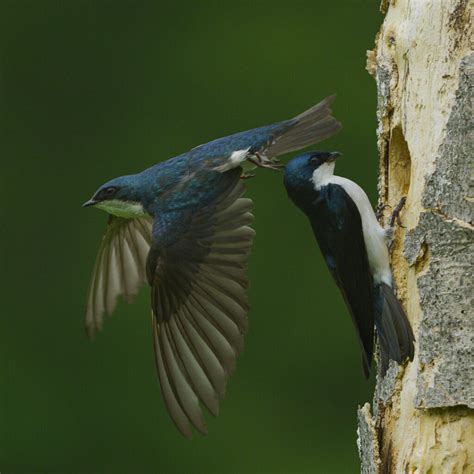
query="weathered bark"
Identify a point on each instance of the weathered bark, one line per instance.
(422, 416)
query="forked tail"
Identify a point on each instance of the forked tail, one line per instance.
(311, 126)
(393, 328)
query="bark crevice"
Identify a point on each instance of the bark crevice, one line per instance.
(423, 417)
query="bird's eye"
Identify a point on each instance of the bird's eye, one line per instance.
(109, 192)
(314, 160)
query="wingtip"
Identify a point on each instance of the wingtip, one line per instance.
(89, 329)
(214, 411)
(203, 430)
(92, 327)
(187, 434)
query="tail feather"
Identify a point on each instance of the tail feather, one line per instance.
(312, 126)
(393, 328)
(365, 366)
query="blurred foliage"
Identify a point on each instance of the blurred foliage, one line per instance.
(95, 89)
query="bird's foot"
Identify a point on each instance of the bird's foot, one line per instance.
(263, 162)
(395, 217)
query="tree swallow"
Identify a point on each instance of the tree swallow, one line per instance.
(354, 246)
(182, 226)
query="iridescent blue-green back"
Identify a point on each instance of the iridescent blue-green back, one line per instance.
(190, 179)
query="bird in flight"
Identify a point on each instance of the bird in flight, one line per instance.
(183, 227)
(354, 246)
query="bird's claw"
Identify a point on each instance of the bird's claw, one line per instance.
(263, 162)
(395, 217)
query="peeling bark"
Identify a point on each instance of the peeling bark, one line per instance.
(423, 414)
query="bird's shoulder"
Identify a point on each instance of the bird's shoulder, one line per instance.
(333, 197)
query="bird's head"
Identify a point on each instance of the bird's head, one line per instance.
(120, 197)
(306, 172)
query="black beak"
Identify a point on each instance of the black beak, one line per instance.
(333, 156)
(89, 203)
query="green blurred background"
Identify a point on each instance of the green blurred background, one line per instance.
(95, 89)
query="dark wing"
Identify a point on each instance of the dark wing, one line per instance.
(197, 273)
(338, 229)
(119, 268)
(270, 141)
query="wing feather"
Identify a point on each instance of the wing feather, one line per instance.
(119, 268)
(174, 409)
(198, 378)
(221, 321)
(199, 301)
(213, 368)
(218, 343)
(186, 397)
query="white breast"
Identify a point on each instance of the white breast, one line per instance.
(374, 234)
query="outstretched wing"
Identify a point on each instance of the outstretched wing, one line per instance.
(119, 268)
(338, 230)
(197, 273)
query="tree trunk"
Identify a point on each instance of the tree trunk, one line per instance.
(422, 418)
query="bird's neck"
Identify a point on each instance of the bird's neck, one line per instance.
(322, 175)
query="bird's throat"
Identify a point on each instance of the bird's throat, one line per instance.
(323, 174)
(126, 209)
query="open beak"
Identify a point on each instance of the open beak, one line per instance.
(333, 156)
(89, 203)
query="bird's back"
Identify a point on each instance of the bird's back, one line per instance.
(209, 156)
(253, 140)
(266, 142)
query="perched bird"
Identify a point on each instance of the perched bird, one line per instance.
(182, 226)
(354, 246)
